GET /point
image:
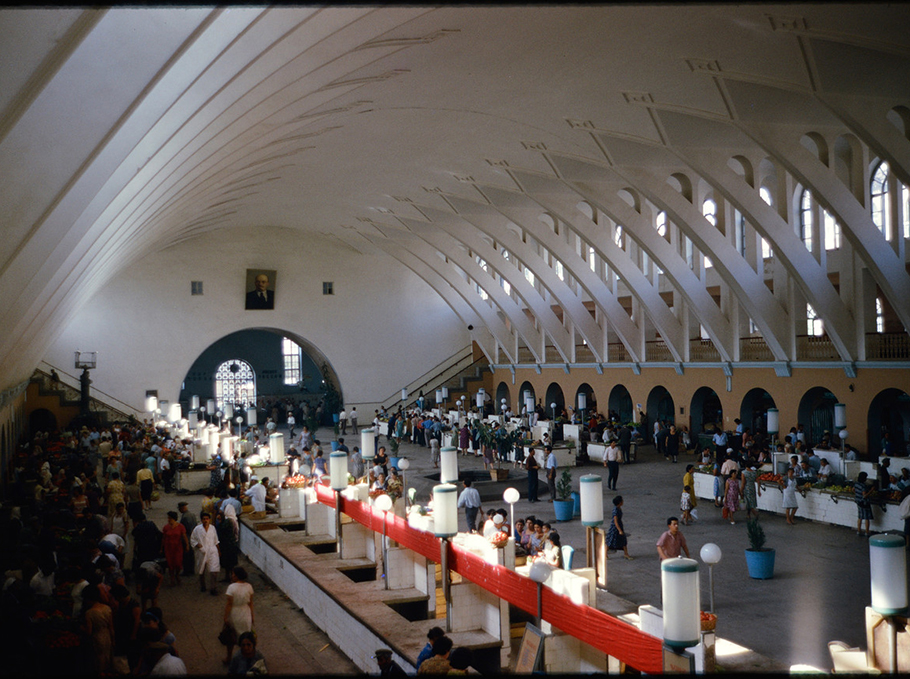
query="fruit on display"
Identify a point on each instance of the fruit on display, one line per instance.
(771, 478)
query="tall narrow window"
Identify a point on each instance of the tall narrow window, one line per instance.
(813, 322)
(739, 232)
(529, 276)
(290, 352)
(592, 258)
(506, 286)
(618, 236)
(661, 224)
(557, 267)
(805, 218)
(905, 199)
(879, 315)
(235, 383)
(709, 210)
(881, 214)
(832, 231)
(766, 251)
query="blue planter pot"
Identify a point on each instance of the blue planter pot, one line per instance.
(760, 564)
(334, 446)
(335, 418)
(576, 498)
(393, 462)
(564, 509)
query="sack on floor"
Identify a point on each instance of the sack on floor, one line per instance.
(694, 514)
(155, 496)
(227, 636)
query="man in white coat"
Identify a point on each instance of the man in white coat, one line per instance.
(204, 541)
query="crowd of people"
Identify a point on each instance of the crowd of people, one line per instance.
(84, 564)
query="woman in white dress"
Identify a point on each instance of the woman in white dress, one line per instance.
(789, 500)
(238, 611)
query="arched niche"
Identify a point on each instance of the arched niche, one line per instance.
(889, 412)
(705, 411)
(554, 395)
(590, 400)
(816, 413)
(620, 403)
(527, 390)
(743, 167)
(816, 145)
(41, 419)
(682, 184)
(658, 407)
(753, 411)
(502, 393)
(261, 348)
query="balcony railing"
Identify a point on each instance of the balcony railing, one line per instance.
(754, 349)
(703, 350)
(815, 348)
(887, 346)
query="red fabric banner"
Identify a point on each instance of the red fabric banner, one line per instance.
(594, 627)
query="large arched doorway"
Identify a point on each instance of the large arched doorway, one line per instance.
(659, 407)
(41, 419)
(283, 369)
(705, 411)
(816, 414)
(620, 403)
(754, 411)
(502, 394)
(889, 413)
(527, 392)
(554, 396)
(585, 401)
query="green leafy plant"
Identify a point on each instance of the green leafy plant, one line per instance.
(756, 535)
(564, 485)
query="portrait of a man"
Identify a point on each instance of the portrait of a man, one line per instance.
(261, 286)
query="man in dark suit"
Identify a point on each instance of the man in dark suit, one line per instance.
(261, 297)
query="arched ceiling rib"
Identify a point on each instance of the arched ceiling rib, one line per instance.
(128, 130)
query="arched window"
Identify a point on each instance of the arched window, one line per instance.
(618, 235)
(290, 351)
(805, 218)
(592, 258)
(881, 214)
(709, 210)
(814, 324)
(661, 224)
(235, 383)
(879, 315)
(766, 251)
(905, 199)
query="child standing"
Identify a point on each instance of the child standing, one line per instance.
(685, 505)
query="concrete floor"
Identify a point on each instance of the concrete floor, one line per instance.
(818, 593)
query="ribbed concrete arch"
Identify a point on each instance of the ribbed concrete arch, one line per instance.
(420, 252)
(867, 240)
(559, 197)
(448, 245)
(542, 311)
(481, 334)
(628, 332)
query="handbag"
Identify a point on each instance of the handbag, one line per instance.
(227, 636)
(725, 513)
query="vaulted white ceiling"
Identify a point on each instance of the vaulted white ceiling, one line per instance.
(423, 132)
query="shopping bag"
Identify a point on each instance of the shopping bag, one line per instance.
(694, 514)
(725, 512)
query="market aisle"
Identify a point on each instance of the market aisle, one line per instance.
(288, 639)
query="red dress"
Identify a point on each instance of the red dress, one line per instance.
(173, 545)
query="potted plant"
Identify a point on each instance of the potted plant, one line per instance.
(759, 559)
(563, 504)
(504, 443)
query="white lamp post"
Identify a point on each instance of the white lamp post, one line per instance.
(511, 496)
(445, 526)
(194, 403)
(553, 408)
(888, 577)
(582, 404)
(843, 434)
(202, 412)
(367, 444)
(682, 603)
(403, 465)
(480, 398)
(448, 465)
(710, 554)
(592, 514)
(539, 572)
(338, 478)
(773, 423)
(384, 503)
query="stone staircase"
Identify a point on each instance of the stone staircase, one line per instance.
(69, 398)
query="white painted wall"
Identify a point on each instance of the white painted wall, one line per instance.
(382, 327)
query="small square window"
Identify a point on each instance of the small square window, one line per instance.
(196, 287)
(328, 289)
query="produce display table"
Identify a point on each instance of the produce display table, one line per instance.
(829, 505)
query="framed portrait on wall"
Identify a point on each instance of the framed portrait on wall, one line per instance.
(260, 286)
